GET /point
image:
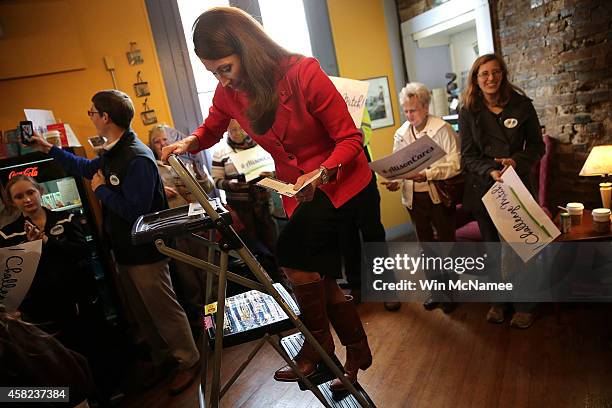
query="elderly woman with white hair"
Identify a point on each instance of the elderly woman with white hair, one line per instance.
(419, 193)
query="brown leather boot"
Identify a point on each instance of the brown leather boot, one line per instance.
(311, 299)
(345, 320)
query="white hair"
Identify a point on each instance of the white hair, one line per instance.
(415, 89)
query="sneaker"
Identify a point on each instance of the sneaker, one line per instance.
(522, 320)
(430, 304)
(448, 307)
(183, 378)
(392, 306)
(495, 314)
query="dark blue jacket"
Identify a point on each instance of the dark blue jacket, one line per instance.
(133, 188)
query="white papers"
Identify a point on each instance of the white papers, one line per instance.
(195, 209)
(19, 268)
(73, 141)
(517, 216)
(69, 191)
(355, 94)
(283, 188)
(40, 118)
(409, 160)
(252, 162)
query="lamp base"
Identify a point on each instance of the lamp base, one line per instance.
(605, 189)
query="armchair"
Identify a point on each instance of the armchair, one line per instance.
(467, 228)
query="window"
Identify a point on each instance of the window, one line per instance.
(284, 21)
(204, 80)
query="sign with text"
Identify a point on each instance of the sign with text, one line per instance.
(410, 160)
(355, 94)
(19, 265)
(252, 162)
(518, 217)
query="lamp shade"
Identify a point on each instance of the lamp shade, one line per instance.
(599, 162)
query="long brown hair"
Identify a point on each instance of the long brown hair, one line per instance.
(472, 98)
(14, 180)
(223, 31)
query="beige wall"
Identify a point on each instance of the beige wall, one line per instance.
(104, 28)
(362, 50)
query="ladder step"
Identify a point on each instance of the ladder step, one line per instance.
(323, 377)
(250, 315)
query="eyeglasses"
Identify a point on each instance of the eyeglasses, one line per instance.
(91, 113)
(496, 74)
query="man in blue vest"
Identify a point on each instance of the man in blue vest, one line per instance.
(126, 180)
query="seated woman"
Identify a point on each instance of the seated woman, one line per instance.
(54, 295)
(62, 298)
(176, 191)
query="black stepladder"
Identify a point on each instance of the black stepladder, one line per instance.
(230, 241)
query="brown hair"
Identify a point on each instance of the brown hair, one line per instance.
(223, 31)
(117, 105)
(472, 98)
(14, 180)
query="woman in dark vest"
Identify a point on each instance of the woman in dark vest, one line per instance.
(499, 127)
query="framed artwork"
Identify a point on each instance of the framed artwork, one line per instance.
(148, 117)
(378, 102)
(141, 89)
(134, 55)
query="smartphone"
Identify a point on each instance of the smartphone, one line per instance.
(26, 131)
(96, 141)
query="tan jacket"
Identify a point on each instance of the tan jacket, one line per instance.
(448, 166)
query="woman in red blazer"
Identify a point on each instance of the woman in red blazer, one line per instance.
(291, 108)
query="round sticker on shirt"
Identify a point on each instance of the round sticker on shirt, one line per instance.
(57, 230)
(510, 123)
(114, 180)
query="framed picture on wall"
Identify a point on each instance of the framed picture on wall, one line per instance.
(378, 102)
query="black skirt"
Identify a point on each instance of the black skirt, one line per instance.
(311, 239)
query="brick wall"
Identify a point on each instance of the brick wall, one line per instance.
(560, 53)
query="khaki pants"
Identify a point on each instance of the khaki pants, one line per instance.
(151, 299)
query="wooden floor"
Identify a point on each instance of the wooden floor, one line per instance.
(428, 359)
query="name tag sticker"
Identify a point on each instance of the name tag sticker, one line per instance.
(57, 230)
(510, 123)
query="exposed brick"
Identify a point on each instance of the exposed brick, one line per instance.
(582, 118)
(560, 53)
(594, 128)
(564, 99)
(574, 55)
(580, 65)
(601, 95)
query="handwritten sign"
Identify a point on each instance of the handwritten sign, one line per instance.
(252, 162)
(517, 216)
(19, 265)
(355, 94)
(409, 160)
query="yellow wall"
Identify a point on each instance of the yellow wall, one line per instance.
(105, 28)
(362, 50)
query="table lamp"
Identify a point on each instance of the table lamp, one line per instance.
(599, 163)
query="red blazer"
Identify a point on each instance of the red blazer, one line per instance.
(312, 128)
